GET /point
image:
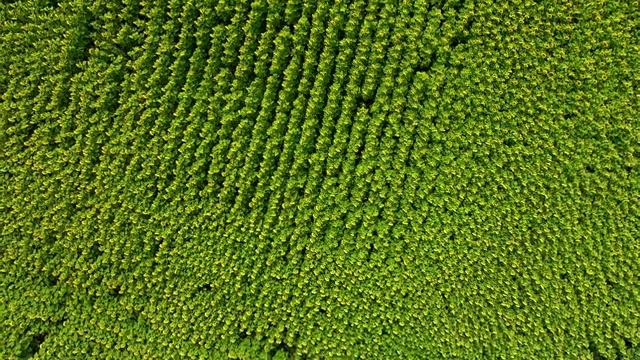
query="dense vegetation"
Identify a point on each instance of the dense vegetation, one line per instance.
(312, 179)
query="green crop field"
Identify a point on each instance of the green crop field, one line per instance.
(310, 179)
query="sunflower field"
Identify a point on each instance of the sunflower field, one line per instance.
(311, 179)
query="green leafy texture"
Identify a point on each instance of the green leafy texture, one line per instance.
(287, 179)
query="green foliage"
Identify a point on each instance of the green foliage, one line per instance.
(272, 179)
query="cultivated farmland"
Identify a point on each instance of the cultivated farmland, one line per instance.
(304, 179)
